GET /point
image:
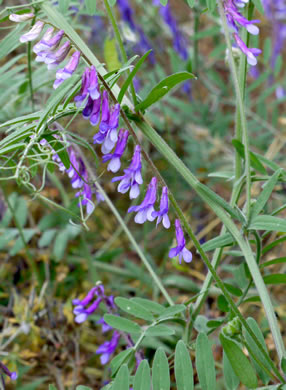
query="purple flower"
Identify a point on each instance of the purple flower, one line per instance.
(95, 113)
(86, 194)
(146, 208)
(79, 99)
(33, 33)
(21, 18)
(180, 250)
(235, 18)
(162, 215)
(107, 134)
(251, 54)
(47, 44)
(93, 84)
(13, 375)
(132, 177)
(81, 310)
(115, 157)
(54, 59)
(68, 70)
(108, 348)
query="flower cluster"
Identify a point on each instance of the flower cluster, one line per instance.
(48, 49)
(236, 20)
(98, 110)
(87, 306)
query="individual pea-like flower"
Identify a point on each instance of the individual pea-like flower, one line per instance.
(107, 134)
(68, 70)
(251, 54)
(104, 326)
(235, 18)
(95, 112)
(146, 208)
(132, 178)
(162, 214)
(54, 59)
(115, 157)
(86, 196)
(107, 349)
(180, 250)
(82, 310)
(80, 98)
(12, 374)
(47, 44)
(17, 18)
(93, 88)
(33, 33)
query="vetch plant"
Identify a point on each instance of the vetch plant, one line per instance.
(119, 136)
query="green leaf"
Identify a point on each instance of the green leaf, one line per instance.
(149, 305)
(64, 5)
(183, 368)
(163, 88)
(142, 380)
(60, 244)
(131, 76)
(219, 242)
(53, 387)
(12, 147)
(112, 2)
(122, 357)
(11, 41)
(239, 362)
(254, 161)
(222, 304)
(275, 279)
(160, 371)
(19, 244)
(121, 381)
(171, 311)
(233, 290)
(205, 363)
(231, 379)
(164, 2)
(21, 211)
(211, 4)
(268, 223)
(90, 6)
(256, 351)
(133, 308)
(47, 238)
(159, 330)
(81, 387)
(59, 149)
(122, 324)
(279, 260)
(265, 194)
(110, 54)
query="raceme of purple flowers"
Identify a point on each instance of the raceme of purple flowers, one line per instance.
(50, 50)
(86, 307)
(97, 108)
(235, 21)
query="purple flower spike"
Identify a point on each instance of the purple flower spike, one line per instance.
(115, 157)
(108, 348)
(146, 208)
(162, 215)
(132, 177)
(93, 84)
(54, 59)
(95, 114)
(111, 135)
(20, 18)
(68, 70)
(85, 301)
(180, 250)
(46, 46)
(82, 314)
(33, 33)
(251, 54)
(79, 99)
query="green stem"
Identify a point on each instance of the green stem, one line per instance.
(120, 44)
(242, 115)
(30, 79)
